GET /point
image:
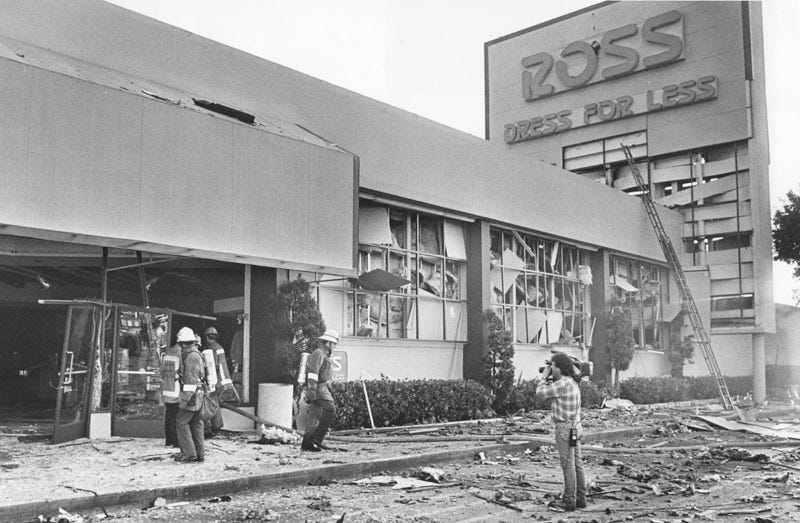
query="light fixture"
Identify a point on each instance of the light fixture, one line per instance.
(44, 283)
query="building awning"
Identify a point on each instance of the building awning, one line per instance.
(381, 281)
(623, 284)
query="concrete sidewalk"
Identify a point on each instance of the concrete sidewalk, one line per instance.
(91, 475)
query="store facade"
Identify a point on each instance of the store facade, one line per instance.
(681, 84)
(216, 188)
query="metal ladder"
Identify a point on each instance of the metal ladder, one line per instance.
(686, 293)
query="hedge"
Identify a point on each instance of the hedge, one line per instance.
(524, 397)
(667, 389)
(409, 402)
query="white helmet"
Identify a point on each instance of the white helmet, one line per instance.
(186, 335)
(330, 335)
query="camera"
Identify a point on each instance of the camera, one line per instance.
(583, 369)
(546, 364)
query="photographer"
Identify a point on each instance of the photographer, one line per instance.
(560, 384)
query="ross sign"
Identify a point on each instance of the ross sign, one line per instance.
(338, 360)
(618, 52)
(627, 105)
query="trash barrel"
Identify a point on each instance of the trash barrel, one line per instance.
(275, 403)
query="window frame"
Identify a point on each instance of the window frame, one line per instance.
(543, 282)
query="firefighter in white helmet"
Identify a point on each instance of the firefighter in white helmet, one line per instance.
(221, 373)
(189, 424)
(170, 391)
(317, 393)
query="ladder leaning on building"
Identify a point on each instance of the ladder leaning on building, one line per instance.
(687, 299)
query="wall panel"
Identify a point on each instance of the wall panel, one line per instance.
(93, 161)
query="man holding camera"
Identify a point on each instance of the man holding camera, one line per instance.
(561, 384)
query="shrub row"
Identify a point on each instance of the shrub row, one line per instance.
(667, 389)
(409, 402)
(524, 397)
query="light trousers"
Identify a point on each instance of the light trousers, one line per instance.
(571, 464)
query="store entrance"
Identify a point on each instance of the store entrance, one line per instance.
(31, 340)
(110, 375)
(32, 336)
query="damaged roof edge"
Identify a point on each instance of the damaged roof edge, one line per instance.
(46, 60)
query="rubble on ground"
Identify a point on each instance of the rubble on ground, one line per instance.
(677, 454)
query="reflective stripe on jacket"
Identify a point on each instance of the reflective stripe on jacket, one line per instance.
(319, 373)
(210, 363)
(170, 374)
(223, 373)
(193, 371)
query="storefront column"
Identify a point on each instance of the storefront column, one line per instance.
(759, 369)
(264, 366)
(245, 363)
(600, 294)
(478, 298)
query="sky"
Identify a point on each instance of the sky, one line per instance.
(426, 56)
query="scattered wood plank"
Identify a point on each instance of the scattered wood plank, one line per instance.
(434, 487)
(748, 427)
(697, 426)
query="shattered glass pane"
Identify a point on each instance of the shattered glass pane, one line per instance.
(414, 274)
(430, 235)
(370, 310)
(398, 223)
(455, 278)
(432, 275)
(400, 309)
(399, 267)
(369, 258)
(455, 321)
(431, 318)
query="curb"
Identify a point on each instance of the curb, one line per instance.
(143, 497)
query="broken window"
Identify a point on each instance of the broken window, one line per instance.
(721, 242)
(643, 290)
(373, 225)
(538, 288)
(423, 248)
(587, 158)
(398, 223)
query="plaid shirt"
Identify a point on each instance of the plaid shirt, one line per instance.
(566, 399)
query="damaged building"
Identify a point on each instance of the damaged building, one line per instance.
(682, 85)
(182, 181)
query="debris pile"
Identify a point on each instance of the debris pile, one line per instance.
(274, 435)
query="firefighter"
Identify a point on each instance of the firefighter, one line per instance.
(170, 391)
(317, 394)
(215, 354)
(189, 424)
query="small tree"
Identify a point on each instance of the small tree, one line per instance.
(786, 235)
(498, 362)
(681, 349)
(619, 337)
(297, 322)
